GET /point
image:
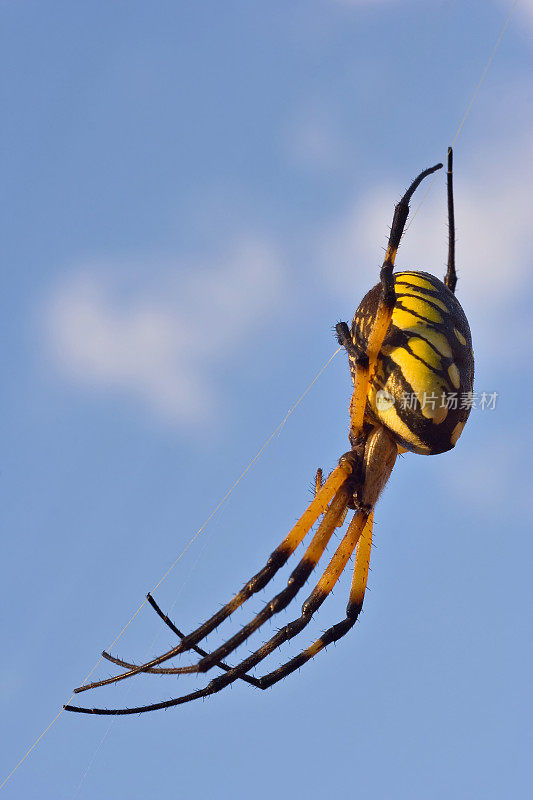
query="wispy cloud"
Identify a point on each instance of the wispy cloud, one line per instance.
(162, 333)
(524, 8)
(154, 330)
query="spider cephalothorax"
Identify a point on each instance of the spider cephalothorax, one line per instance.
(411, 359)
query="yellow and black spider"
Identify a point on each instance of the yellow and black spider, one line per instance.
(410, 356)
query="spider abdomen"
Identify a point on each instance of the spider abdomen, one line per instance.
(424, 376)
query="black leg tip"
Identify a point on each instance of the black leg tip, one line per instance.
(353, 610)
(342, 332)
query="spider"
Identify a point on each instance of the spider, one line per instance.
(409, 339)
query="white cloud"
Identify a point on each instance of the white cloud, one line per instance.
(523, 8)
(493, 221)
(154, 331)
(163, 332)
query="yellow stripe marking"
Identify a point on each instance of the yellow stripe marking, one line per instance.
(457, 431)
(423, 309)
(424, 350)
(417, 374)
(416, 280)
(438, 340)
(413, 293)
(459, 336)
(391, 419)
(404, 320)
(440, 413)
(455, 378)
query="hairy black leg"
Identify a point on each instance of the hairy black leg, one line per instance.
(309, 607)
(328, 637)
(451, 275)
(401, 212)
(362, 374)
(334, 485)
(164, 670)
(298, 577)
(331, 635)
(344, 338)
(355, 604)
(171, 671)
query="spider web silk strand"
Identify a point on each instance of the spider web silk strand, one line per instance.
(239, 479)
(187, 546)
(468, 108)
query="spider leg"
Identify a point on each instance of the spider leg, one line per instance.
(321, 591)
(380, 455)
(360, 370)
(353, 609)
(451, 275)
(310, 606)
(332, 634)
(174, 629)
(311, 557)
(380, 452)
(170, 671)
(363, 361)
(334, 486)
(313, 602)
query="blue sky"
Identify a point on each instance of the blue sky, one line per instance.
(196, 193)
